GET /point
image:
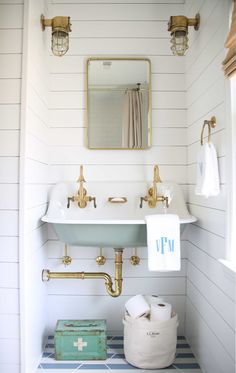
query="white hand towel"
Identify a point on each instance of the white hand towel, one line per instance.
(207, 171)
(163, 239)
(214, 190)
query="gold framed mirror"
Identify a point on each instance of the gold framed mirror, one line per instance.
(118, 103)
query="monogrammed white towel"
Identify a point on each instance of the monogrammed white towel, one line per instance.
(207, 171)
(163, 239)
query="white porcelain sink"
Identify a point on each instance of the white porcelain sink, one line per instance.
(110, 225)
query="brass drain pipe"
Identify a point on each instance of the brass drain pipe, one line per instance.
(48, 275)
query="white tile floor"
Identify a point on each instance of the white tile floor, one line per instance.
(185, 361)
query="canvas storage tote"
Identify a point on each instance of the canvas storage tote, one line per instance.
(150, 344)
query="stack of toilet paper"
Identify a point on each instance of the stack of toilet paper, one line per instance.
(148, 308)
(150, 332)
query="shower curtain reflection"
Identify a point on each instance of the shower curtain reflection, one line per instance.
(134, 119)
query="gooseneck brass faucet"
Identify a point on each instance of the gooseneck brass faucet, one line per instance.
(47, 275)
(153, 198)
(81, 197)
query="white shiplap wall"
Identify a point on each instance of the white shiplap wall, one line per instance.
(11, 27)
(115, 28)
(210, 312)
(34, 185)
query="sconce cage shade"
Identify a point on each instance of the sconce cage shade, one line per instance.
(60, 42)
(179, 42)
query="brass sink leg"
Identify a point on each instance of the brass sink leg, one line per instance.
(135, 259)
(66, 259)
(100, 259)
(47, 275)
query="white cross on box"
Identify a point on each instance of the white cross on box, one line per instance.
(80, 344)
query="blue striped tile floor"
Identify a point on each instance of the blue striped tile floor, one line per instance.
(185, 361)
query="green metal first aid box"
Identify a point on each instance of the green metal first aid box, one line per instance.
(81, 340)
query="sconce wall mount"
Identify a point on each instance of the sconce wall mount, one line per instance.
(178, 27)
(61, 27)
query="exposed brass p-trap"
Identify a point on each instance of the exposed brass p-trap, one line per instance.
(48, 275)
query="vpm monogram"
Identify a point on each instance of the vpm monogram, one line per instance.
(165, 244)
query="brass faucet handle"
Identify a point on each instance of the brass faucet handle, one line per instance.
(70, 199)
(166, 199)
(94, 201)
(141, 201)
(156, 178)
(163, 199)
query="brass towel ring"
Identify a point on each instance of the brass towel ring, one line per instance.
(211, 124)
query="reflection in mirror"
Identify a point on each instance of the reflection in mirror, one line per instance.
(118, 103)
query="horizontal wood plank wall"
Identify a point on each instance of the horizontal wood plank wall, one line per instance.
(115, 28)
(11, 27)
(34, 186)
(210, 319)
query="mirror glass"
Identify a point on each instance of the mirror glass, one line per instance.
(119, 103)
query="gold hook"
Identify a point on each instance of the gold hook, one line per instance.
(211, 124)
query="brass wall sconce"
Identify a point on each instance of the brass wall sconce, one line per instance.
(178, 27)
(61, 27)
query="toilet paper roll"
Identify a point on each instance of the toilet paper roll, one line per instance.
(137, 306)
(153, 299)
(137, 321)
(160, 311)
